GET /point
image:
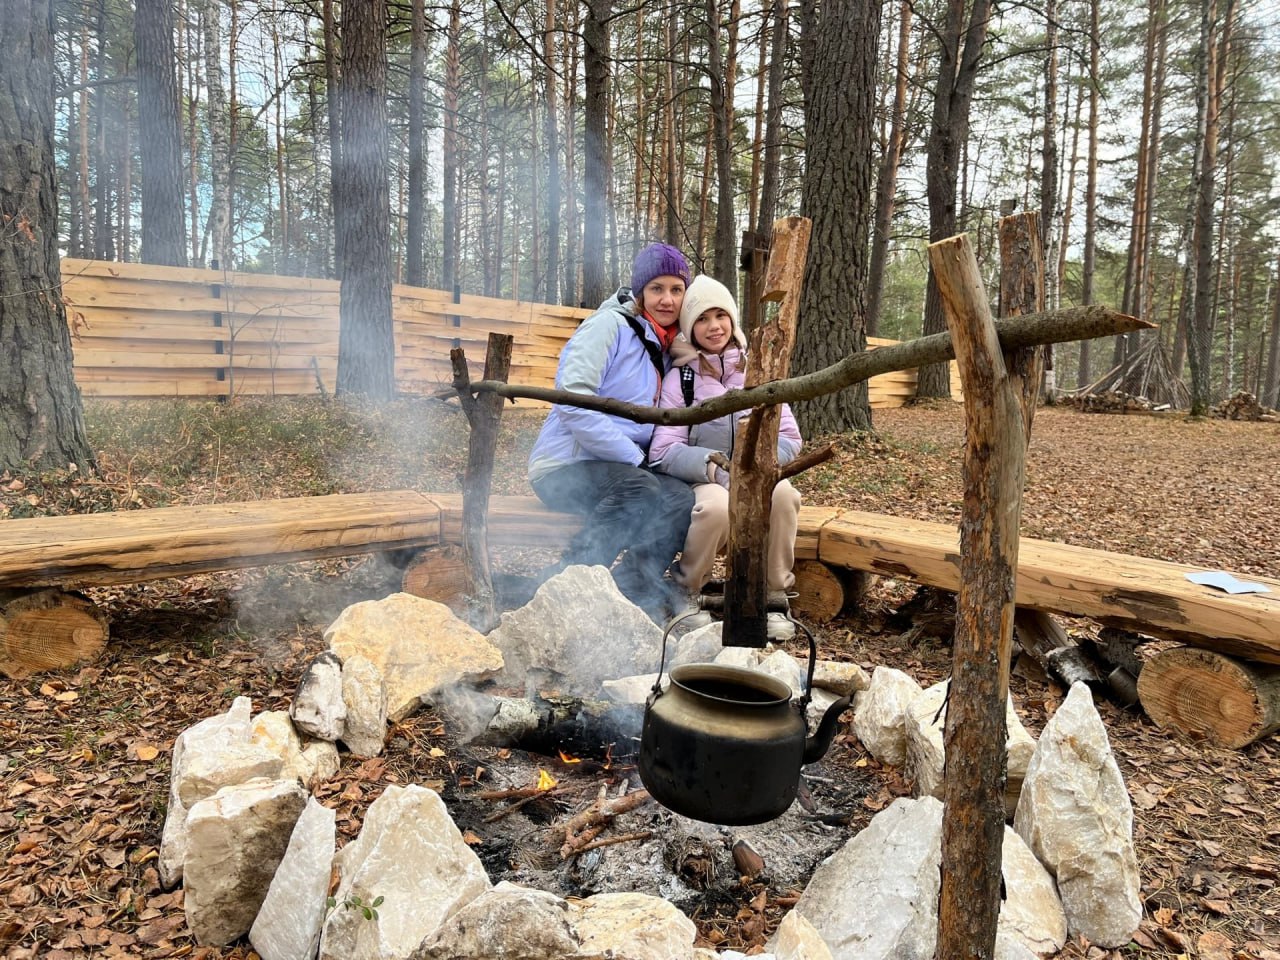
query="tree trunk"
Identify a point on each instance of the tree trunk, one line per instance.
(413, 273)
(103, 245)
(595, 53)
(960, 55)
(366, 337)
(159, 127)
(551, 145)
(1049, 178)
(726, 268)
(449, 203)
(887, 180)
(1088, 266)
(41, 419)
(219, 121)
(1271, 389)
(840, 57)
(333, 92)
(1200, 327)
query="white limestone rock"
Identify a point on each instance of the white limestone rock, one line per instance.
(632, 691)
(842, 679)
(748, 658)
(365, 694)
(235, 840)
(880, 714)
(508, 922)
(783, 666)
(318, 708)
(632, 926)
(697, 646)
(577, 632)
(925, 760)
(209, 735)
(418, 645)
(288, 923)
(877, 897)
(796, 939)
(1076, 817)
(1031, 912)
(307, 760)
(410, 854)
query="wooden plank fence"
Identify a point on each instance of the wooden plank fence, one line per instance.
(139, 330)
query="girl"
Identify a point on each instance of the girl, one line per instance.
(710, 357)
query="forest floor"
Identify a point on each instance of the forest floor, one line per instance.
(85, 751)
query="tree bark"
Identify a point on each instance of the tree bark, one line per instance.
(1271, 388)
(219, 154)
(1088, 266)
(595, 54)
(839, 41)
(366, 335)
(41, 418)
(449, 201)
(994, 470)
(960, 54)
(163, 228)
(551, 145)
(726, 269)
(413, 273)
(1230, 702)
(887, 180)
(333, 93)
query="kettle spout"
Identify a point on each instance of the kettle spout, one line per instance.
(815, 747)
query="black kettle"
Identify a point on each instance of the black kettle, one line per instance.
(725, 745)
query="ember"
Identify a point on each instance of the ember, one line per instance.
(545, 780)
(566, 758)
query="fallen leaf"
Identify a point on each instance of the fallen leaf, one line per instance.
(435, 752)
(145, 752)
(1220, 907)
(472, 839)
(1212, 945)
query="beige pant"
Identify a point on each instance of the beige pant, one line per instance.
(709, 535)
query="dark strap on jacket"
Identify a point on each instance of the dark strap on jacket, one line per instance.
(651, 348)
(686, 384)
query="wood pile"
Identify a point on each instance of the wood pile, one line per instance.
(1244, 406)
(1117, 401)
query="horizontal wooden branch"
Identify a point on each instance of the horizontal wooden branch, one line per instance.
(1054, 326)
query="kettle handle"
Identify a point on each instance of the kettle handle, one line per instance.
(662, 663)
(803, 702)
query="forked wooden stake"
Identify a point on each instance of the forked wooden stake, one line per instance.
(483, 414)
(754, 472)
(994, 470)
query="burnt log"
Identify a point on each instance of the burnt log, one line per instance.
(584, 729)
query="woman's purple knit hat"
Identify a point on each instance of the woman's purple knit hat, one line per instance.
(658, 260)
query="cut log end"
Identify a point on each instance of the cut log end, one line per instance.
(440, 574)
(46, 630)
(824, 592)
(1229, 702)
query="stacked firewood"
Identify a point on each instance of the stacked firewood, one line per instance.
(1116, 401)
(1244, 406)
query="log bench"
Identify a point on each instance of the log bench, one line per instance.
(41, 556)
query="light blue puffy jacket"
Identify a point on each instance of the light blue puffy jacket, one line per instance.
(604, 357)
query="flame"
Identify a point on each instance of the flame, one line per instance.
(565, 758)
(545, 780)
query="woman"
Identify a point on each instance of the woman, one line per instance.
(594, 463)
(708, 359)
